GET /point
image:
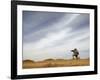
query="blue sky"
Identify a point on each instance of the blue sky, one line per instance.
(54, 34)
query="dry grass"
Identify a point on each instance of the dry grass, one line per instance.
(55, 63)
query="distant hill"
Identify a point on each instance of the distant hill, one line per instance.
(49, 59)
(28, 61)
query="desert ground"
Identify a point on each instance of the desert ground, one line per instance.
(28, 64)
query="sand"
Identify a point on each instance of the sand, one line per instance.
(28, 64)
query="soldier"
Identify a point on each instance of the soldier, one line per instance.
(75, 53)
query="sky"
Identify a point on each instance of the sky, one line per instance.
(53, 34)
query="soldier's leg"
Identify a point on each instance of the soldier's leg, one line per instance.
(76, 56)
(73, 56)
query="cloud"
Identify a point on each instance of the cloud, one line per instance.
(37, 32)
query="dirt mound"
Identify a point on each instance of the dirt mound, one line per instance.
(28, 61)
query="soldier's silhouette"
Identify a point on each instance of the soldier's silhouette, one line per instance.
(75, 54)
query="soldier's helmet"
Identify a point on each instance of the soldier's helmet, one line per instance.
(75, 49)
